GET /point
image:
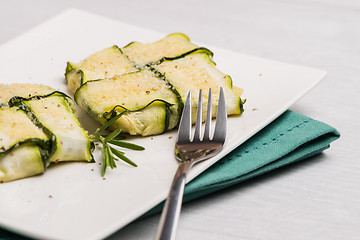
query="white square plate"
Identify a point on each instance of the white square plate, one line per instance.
(72, 200)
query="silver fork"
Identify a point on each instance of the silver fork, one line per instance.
(190, 151)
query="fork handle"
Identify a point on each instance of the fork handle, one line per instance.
(170, 215)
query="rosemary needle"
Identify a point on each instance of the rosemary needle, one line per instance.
(111, 154)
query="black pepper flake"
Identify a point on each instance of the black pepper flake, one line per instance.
(50, 196)
(147, 92)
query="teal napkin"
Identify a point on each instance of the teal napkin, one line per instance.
(290, 138)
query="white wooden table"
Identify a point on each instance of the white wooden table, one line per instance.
(315, 199)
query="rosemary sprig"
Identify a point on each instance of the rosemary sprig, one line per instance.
(111, 154)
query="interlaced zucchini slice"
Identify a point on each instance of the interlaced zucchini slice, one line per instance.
(172, 45)
(102, 64)
(23, 161)
(24, 147)
(146, 101)
(55, 112)
(195, 70)
(17, 128)
(38, 126)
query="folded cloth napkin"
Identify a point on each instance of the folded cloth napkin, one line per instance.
(290, 138)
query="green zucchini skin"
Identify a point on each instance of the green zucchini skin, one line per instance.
(195, 50)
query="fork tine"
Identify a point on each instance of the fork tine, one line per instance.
(197, 134)
(221, 119)
(207, 129)
(185, 122)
